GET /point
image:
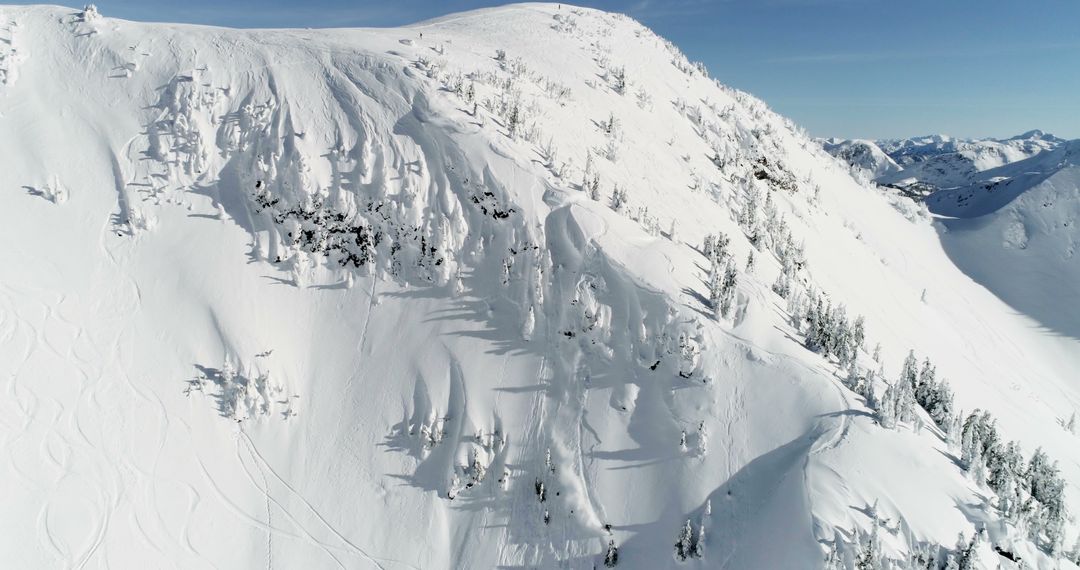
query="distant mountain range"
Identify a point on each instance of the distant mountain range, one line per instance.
(922, 166)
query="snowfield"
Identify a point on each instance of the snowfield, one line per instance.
(478, 293)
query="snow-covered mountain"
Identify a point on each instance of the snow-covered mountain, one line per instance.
(864, 156)
(983, 153)
(927, 164)
(520, 287)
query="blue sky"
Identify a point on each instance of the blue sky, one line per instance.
(851, 68)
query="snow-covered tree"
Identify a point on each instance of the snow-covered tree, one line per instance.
(887, 412)
(1047, 488)
(869, 556)
(618, 76)
(897, 405)
(514, 120)
(909, 372)
(529, 324)
(697, 549)
(619, 199)
(834, 559)
(967, 554)
(727, 292)
(684, 542)
(611, 557)
(858, 332)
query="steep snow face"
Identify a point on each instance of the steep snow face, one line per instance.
(436, 297)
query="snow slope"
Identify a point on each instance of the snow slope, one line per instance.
(1022, 216)
(337, 298)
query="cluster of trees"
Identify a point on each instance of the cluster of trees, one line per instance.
(831, 333)
(899, 402)
(933, 396)
(723, 276)
(919, 389)
(1031, 494)
(866, 553)
(689, 543)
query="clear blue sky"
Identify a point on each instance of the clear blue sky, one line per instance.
(852, 68)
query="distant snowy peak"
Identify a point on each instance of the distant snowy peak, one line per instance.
(912, 150)
(1035, 134)
(864, 155)
(983, 153)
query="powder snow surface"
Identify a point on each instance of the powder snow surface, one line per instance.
(186, 387)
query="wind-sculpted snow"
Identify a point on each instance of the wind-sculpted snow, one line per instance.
(520, 287)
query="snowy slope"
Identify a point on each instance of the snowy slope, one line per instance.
(1022, 216)
(362, 298)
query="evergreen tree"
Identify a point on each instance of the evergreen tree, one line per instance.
(728, 294)
(683, 544)
(611, 557)
(868, 390)
(905, 404)
(909, 372)
(858, 332)
(887, 411)
(697, 549)
(619, 77)
(869, 557)
(953, 431)
(513, 120)
(967, 555)
(1046, 486)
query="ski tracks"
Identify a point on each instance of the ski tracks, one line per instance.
(278, 491)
